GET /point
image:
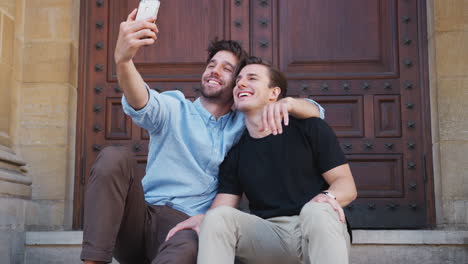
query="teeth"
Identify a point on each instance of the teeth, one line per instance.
(213, 82)
(244, 94)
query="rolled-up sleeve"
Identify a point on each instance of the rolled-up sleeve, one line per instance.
(322, 111)
(154, 114)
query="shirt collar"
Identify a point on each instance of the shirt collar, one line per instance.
(208, 117)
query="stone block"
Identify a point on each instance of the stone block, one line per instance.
(54, 255)
(371, 247)
(455, 212)
(74, 65)
(47, 166)
(430, 12)
(8, 7)
(437, 183)
(7, 38)
(390, 254)
(451, 15)
(451, 55)
(5, 90)
(48, 19)
(18, 58)
(19, 18)
(44, 114)
(12, 247)
(454, 169)
(47, 62)
(453, 109)
(12, 214)
(14, 189)
(44, 215)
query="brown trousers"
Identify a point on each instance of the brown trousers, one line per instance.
(119, 223)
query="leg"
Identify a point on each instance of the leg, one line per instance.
(325, 238)
(114, 210)
(181, 248)
(227, 232)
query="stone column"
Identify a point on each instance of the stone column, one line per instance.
(15, 184)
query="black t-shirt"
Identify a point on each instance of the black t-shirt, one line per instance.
(280, 174)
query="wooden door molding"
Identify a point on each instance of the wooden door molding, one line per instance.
(364, 66)
(367, 67)
(176, 62)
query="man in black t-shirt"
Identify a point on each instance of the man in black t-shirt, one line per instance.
(296, 183)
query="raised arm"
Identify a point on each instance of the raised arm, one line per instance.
(195, 221)
(133, 35)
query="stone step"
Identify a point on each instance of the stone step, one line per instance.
(369, 247)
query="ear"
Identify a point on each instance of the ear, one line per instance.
(274, 93)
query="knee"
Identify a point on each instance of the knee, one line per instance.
(318, 218)
(188, 239)
(110, 160)
(219, 218)
(114, 155)
(183, 247)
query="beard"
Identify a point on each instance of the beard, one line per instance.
(221, 94)
(211, 94)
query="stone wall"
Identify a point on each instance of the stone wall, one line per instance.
(38, 95)
(38, 82)
(448, 63)
(15, 184)
(47, 107)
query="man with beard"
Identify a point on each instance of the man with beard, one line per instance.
(128, 217)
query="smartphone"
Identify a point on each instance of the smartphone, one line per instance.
(147, 8)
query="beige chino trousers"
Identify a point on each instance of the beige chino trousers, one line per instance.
(315, 236)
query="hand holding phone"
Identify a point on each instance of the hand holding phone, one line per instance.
(147, 9)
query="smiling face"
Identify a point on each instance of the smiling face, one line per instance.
(252, 91)
(217, 80)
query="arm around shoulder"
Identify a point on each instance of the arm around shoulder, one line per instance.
(304, 108)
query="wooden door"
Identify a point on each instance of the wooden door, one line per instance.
(363, 60)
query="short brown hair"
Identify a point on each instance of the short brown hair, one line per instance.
(277, 78)
(228, 45)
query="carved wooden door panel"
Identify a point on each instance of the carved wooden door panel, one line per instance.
(176, 62)
(359, 59)
(363, 60)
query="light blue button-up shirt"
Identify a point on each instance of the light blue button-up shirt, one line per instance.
(187, 145)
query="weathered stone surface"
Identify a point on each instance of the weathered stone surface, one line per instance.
(8, 7)
(18, 61)
(384, 254)
(5, 86)
(454, 166)
(11, 247)
(47, 61)
(50, 168)
(44, 114)
(455, 212)
(453, 108)
(44, 215)
(7, 38)
(382, 247)
(451, 55)
(12, 214)
(74, 65)
(451, 15)
(48, 19)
